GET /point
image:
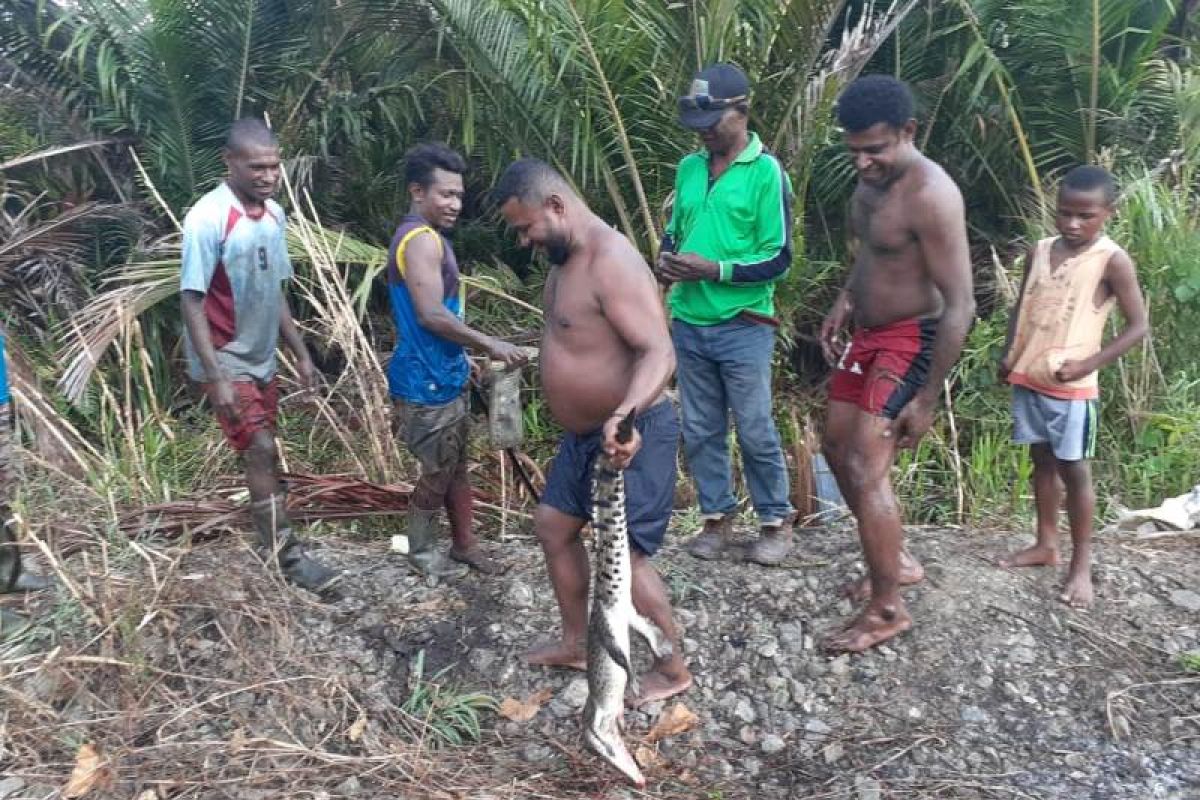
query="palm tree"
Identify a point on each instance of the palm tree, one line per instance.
(590, 85)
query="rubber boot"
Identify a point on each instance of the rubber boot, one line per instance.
(10, 556)
(12, 624)
(13, 577)
(423, 553)
(275, 537)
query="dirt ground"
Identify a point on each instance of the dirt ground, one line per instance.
(194, 673)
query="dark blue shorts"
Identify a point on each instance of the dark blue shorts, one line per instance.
(649, 479)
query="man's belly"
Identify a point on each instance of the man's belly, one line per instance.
(583, 389)
(888, 302)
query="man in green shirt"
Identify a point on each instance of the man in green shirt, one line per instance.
(728, 242)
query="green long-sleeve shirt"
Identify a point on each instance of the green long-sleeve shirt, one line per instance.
(743, 221)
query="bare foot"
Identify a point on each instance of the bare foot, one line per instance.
(1035, 556)
(477, 560)
(1077, 591)
(557, 654)
(870, 628)
(655, 685)
(911, 572)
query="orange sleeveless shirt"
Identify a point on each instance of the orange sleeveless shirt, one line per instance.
(1059, 320)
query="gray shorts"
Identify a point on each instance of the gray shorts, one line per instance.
(1068, 426)
(435, 435)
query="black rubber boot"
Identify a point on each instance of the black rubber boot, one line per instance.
(276, 539)
(13, 577)
(423, 553)
(10, 556)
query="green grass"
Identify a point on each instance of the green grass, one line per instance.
(1190, 661)
(449, 717)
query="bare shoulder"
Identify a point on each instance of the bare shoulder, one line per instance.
(614, 255)
(1119, 262)
(934, 190)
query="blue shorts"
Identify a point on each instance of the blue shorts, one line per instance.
(649, 478)
(1068, 426)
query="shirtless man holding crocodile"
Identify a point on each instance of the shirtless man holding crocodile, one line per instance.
(605, 352)
(910, 298)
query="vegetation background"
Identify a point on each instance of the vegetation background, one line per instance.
(112, 116)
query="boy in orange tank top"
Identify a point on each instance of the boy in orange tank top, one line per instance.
(1052, 355)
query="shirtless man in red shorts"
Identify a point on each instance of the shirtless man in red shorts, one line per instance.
(909, 296)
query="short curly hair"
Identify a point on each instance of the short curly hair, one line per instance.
(420, 162)
(1088, 178)
(873, 99)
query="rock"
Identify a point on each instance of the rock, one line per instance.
(481, 659)
(652, 710)
(816, 729)
(769, 648)
(747, 735)
(1022, 655)
(536, 753)
(575, 694)
(518, 595)
(1186, 599)
(10, 786)
(752, 766)
(791, 637)
(561, 710)
(840, 665)
(349, 787)
(868, 788)
(772, 744)
(832, 752)
(744, 711)
(974, 714)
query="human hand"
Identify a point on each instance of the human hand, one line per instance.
(831, 330)
(620, 453)
(1003, 369)
(223, 399)
(509, 354)
(659, 267)
(1072, 370)
(476, 371)
(306, 373)
(911, 424)
(688, 267)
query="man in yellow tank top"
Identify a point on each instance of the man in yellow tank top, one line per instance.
(1052, 355)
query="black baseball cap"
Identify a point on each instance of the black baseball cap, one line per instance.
(714, 89)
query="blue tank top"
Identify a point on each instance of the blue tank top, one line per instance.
(425, 369)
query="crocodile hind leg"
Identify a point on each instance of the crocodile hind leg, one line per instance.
(660, 645)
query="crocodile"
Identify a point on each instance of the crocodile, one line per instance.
(612, 616)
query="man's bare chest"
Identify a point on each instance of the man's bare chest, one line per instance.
(882, 225)
(572, 312)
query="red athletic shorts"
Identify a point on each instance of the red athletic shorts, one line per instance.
(258, 407)
(884, 367)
